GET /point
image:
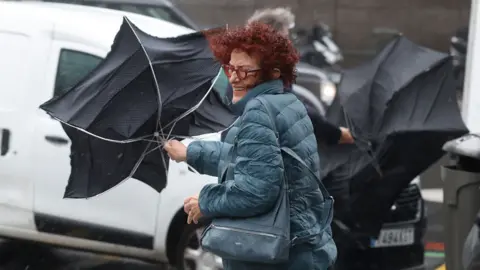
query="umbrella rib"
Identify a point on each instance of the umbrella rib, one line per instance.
(158, 124)
(173, 135)
(436, 97)
(141, 138)
(135, 167)
(174, 121)
(189, 166)
(412, 112)
(161, 143)
(378, 69)
(134, 170)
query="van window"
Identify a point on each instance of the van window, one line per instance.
(72, 67)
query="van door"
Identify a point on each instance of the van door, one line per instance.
(123, 215)
(16, 188)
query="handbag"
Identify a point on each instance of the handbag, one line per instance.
(263, 238)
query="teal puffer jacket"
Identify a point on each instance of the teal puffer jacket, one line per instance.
(250, 183)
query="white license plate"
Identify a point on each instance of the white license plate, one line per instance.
(394, 238)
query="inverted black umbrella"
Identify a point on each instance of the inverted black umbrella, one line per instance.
(146, 90)
(401, 108)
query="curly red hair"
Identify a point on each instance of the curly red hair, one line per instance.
(273, 50)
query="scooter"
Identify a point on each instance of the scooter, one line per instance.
(317, 47)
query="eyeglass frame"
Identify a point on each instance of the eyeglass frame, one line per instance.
(229, 69)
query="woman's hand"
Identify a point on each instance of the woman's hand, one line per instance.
(192, 208)
(346, 136)
(186, 206)
(176, 150)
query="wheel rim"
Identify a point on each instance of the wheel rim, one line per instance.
(195, 258)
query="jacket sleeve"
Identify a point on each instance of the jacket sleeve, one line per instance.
(204, 156)
(258, 171)
(325, 131)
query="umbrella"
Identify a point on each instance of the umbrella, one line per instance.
(146, 90)
(401, 108)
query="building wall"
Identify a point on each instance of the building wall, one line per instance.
(429, 22)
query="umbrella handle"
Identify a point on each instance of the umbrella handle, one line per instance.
(359, 140)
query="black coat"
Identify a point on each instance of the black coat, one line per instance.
(325, 132)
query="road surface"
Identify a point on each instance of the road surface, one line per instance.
(25, 256)
(28, 256)
(432, 192)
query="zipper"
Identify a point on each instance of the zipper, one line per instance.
(243, 231)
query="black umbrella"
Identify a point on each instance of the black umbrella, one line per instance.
(401, 108)
(146, 90)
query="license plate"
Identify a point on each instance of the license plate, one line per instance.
(394, 238)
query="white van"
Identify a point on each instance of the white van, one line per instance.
(44, 49)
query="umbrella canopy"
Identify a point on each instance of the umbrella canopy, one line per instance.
(375, 83)
(146, 90)
(401, 108)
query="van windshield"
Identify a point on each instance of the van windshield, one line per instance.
(160, 12)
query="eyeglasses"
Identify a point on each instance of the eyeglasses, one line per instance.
(241, 72)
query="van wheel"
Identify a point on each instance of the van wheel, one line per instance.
(190, 255)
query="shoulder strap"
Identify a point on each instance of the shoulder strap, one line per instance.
(289, 151)
(270, 116)
(272, 120)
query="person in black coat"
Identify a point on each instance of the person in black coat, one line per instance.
(325, 131)
(282, 20)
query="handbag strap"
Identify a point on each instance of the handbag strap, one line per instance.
(289, 151)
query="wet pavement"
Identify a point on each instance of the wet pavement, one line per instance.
(16, 255)
(28, 256)
(23, 256)
(434, 246)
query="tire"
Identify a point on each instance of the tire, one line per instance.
(189, 254)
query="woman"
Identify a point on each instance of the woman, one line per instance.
(260, 62)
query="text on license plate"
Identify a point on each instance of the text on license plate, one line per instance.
(394, 237)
